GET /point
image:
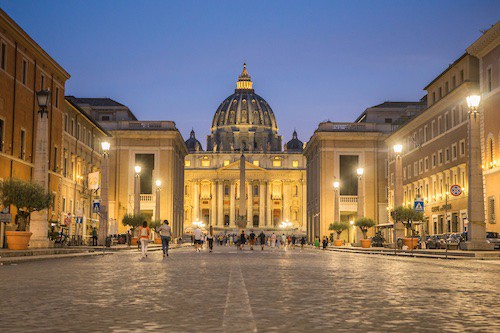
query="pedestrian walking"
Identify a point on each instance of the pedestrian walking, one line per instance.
(294, 239)
(144, 233)
(316, 242)
(210, 238)
(251, 239)
(262, 238)
(165, 235)
(325, 242)
(94, 237)
(278, 242)
(197, 236)
(243, 239)
(283, 241)
(273, 240)
(302, 242)
(129, 238)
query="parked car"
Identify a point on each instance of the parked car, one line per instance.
(493, 238)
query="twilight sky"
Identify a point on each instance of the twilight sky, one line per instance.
(311, 60)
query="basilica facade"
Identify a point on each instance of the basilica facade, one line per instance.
(275, 183)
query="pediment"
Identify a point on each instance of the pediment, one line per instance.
(236, 166)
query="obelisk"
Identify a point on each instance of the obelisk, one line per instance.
(242, 216)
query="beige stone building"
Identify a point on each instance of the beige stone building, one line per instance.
(334, 153)
(434, 156)
(275, 176)
(157, 147)
(487, 50)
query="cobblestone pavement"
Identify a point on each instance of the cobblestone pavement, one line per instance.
(233, 291)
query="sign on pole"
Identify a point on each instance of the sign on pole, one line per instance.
(455, 190)
(67, 219)
(5, 217)
(418, 205)
(96, 205)
(93, 179)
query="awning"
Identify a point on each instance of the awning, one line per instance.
(385, 225)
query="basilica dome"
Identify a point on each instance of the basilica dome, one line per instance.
(244, 120)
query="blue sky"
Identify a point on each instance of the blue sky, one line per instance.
(311, 60)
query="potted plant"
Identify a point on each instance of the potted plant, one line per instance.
(407, 216)
(365, 223)
(133, 221)
(27, 197)
(338, 227)
(155, 225)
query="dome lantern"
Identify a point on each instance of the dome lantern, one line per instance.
(244, 80)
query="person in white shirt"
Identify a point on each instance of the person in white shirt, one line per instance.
(165, 235)
(198, 235)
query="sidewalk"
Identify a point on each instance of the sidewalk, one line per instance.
(418, 253)
(13, 256)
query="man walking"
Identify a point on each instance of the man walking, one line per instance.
(251, 240)
(262, 238)
(197, 236)
(165, 235)
(94, 237)
(243, 239)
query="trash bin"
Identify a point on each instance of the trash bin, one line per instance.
(108, 241)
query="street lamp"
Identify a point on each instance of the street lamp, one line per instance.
(336, 213)
(351, 223)
(361, 200)
(103, 210)
(476, 230)
(157, 206)
(137, 190)
(39, 220)
(398, 188)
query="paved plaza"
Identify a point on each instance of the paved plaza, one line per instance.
(234, 291)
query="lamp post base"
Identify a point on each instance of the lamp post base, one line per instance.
(479, 246)
(39, 243)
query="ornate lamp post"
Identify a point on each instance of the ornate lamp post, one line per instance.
(351, 224)
(476, 229)
(137, 190)
(398, 189)
(102, 233)
(336, 212)
(157, 206)
(38, 221)
(361, 201)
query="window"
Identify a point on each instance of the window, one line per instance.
(420, 166)
(439, 125)
(256, 163)
(415, 169)
(295, 164)
(23, 144)
(226, 190)
(433, 129)
(488, 80)
(388, 120)
(3, 55)
(56, 100)
(440, 154)
(42, 82)
(276, 163)
(434, 160)
(226, 162)
(426, 163)
(440, 92)
(255, 190)
(105, 118)
(65, 164)
(447, 154)
(454, 119)
(24, 77)
(454, 151)
(447, 88)
(409, 171)
(461, 76)
(54, 166)
(205, 162)
(434, 97)
(2, 125)
(66, 122)
(187, 163)
(72, 129)
(453, 82)
(77, 135)
(446, 118)
(426, 133)
(462, 147)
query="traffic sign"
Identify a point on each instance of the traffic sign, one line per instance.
(79, 220)
(5, 217)
(455, 190)
(67, 220)
(418, 205)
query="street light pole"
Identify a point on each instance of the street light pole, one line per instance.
(157, 206)
(361, 202)
(398, 189)
(137, 190)
(102, 233)
(39, 220)
(336, 212)
(476, 230)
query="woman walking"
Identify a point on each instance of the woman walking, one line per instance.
(144, 233)
(210, 238)
(165, 234)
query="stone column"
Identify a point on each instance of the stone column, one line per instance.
(286, 200)
(262, 205)
(304, 205)
(213, 210)
(196, 200)
(232, 206)
(250, 205)
(220, 203)
(269, 217)
(38, 221)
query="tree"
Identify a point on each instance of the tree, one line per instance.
(27, 197)
(133, 221)
(338, 227)
(364, 223)
(407, 216)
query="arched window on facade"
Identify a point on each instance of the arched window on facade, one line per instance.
(256, 190)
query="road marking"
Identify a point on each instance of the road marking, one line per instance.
(237, 311)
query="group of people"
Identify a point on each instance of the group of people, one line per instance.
(274, 241)
(165, 234)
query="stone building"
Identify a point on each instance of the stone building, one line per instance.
(26, 68)
(276, 181)
(334, 153)
(434, 155)
(487, 50)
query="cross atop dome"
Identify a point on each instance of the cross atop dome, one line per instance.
(244, 80)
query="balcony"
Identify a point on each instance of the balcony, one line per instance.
(146, 197)
(348, 203)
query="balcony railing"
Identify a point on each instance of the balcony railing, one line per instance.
(146, 197)
(349, 199)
